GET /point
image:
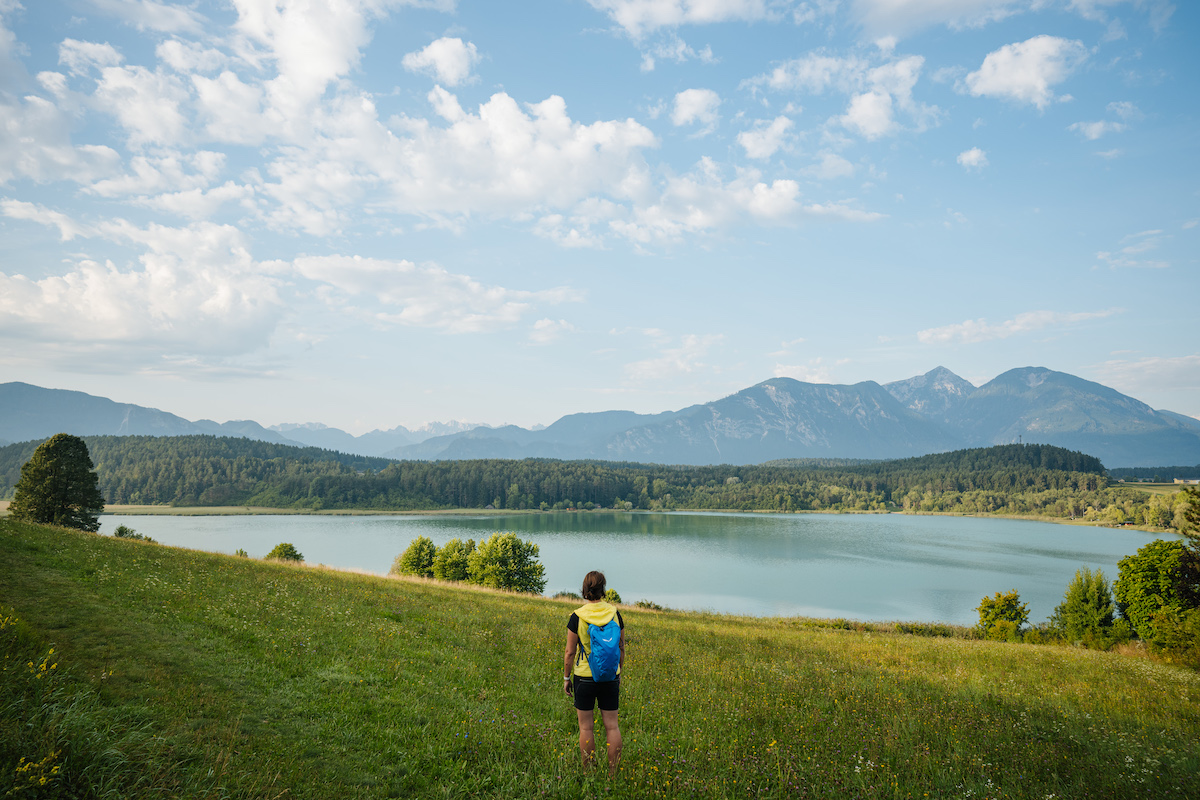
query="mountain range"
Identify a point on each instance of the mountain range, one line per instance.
(778, 418)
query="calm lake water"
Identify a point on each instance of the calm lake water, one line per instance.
(863, 567)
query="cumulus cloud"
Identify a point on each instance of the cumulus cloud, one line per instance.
(1026, 72)
(449, 60)
(1094, 130)
(978, 330)
(696, 106)
(766, 137)
(639, 17)
(973, 159)
(680, 357)
(876, 93)
(388, 292)
(195, 291)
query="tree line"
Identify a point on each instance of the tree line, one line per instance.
(221, 471)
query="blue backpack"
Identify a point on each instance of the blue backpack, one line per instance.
(605, 654)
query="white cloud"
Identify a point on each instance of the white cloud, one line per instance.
(19, 209)
(388, 292)
(830, 167)
(195, 292)
(898, 17)
(696, 106)
(1131, 254)
(35, 143)
(814, 73)
(765, 138)
(232, 109)
(449, 60)
(1125, 110)
(147, 104)
(81, 57)
(153, 15)
(675, 49)
(1026, 72)
(684, 358)
(639, 17)
(978, 330)
(547, 330)
(1094, 130)
(187, 57)
(973, 159)
(815, 371)
(870, 114)
(876, 92)
(1151, 372)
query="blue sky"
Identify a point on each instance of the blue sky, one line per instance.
(370, 213)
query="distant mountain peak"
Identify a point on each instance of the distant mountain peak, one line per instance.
(933, 394)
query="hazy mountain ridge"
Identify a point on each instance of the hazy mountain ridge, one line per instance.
(779, 418)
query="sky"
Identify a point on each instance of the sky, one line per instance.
(371, 213)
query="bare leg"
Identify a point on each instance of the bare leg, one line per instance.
(587, 739)
(612, 735)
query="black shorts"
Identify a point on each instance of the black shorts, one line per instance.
(588, 692)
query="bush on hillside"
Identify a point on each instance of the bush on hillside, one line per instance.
(285, 551)
(502, 561)
(1085, 615)
(417, 559)
(1001, 617)
(450, 560)
(125, 532)
(1147, 585)
(612, 596)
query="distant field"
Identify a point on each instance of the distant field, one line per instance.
(182, 673)
(1154, 488)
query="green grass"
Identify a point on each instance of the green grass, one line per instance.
(188, 674)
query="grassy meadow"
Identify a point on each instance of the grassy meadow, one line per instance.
(136, 670)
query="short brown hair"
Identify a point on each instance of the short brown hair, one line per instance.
(593, 585)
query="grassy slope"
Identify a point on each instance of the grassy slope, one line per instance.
(216, 676)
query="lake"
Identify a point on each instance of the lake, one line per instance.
(857, 566)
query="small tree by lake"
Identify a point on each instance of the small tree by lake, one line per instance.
(450, 561)
(502, 561)
(1002, 616)
(285, 551)
(1086, 613)
(417, 559)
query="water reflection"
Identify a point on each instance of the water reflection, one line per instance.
(867, 567)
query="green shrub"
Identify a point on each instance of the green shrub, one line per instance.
(285, 551)
(450, 560)
(1001, 617)
(1086, 613)
(502, 561)
(1147, 585)
(567, 596)
(241, 553)
(125, 532)
(611, 596)
(417, 559)
(648, 604)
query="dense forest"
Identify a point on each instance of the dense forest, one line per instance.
(221, 471)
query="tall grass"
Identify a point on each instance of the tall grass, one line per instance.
(190, 674)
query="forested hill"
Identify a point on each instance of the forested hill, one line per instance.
(211, 471)
(180, 469)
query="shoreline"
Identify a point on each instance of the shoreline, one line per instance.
(230, 511)
(201, 511)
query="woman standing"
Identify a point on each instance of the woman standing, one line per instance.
(578, 680)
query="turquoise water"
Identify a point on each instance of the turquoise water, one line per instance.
(864, 567)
